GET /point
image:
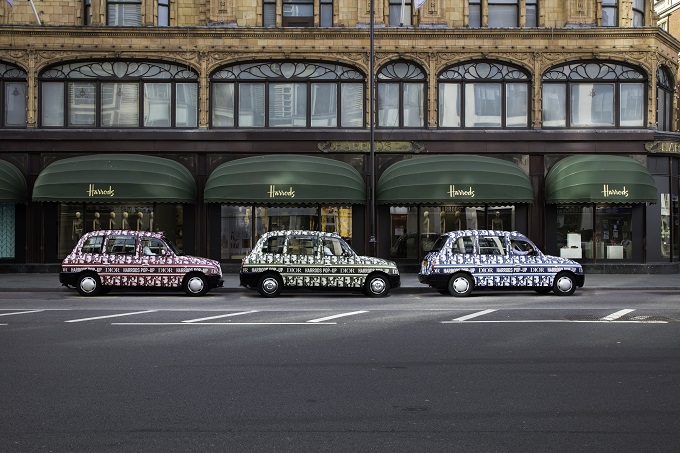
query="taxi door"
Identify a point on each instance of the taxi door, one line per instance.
(156, 264)
(527, 262)
(340, 265)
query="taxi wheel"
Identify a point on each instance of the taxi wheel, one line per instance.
(89, 284)
(269, 285)
(564, 284)
(377, 286)
(195, 285)
(460, 285)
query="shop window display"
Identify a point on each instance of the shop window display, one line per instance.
(414, 229)
(7, 230)
(241, 226)
(595, 231)
(76, 219)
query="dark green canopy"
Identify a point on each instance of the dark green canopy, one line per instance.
(454, 179)
(599, 179)
(290, 178)
(12, 184)
(115, 178)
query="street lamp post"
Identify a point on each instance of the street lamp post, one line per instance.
(371, 102)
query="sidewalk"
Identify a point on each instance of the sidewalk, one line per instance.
(49, 282)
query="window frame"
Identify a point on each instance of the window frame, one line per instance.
(265, 76)
(611, 6)
(402, 74)
(481, 73)
(322, 14)
(613, 73)
(120, 3)
(11, 74)
(103, 74)
(664, 90)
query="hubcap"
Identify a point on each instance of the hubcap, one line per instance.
(195, 284)
(377, 285)
(461, 285)
(564, 284)
(88, 284)
(270, 285)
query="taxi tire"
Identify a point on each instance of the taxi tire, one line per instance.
(564, 284)
(460, 285)
(269, 285)
(195, 285)
(89, 284)
(377, 285)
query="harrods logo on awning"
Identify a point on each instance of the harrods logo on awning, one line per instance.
(92, 191)
(274, 193)
(607, 192)
(453, 193)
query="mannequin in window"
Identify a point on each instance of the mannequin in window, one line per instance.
(140, 221)
(124, 222)
(77, 229)
(426, 222)
(497, 222)
(151, 225)
(457, 222)
(112, 221)
(96, 223)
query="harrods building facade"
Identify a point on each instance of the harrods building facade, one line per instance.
(218, 120)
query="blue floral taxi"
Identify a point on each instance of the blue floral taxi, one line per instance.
(463, 260)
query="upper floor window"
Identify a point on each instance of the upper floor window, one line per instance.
(664, 99)
(610, 13)
(12, 96)
(298, 13)
(287, 94)
(483, 94)
(400, 12)
(119, 94)
(502, 13)
(87, 12)
(401, 95)
(163, 13)
(594, 95)
(124, 13)
(638, 13)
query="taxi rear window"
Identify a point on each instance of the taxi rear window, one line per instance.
(301, 245)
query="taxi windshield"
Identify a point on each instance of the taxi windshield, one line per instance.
(172, 246)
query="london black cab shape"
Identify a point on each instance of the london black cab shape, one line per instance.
(313, 259)
(105, 259)
(463, 260)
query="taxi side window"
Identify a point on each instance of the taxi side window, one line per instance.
(490, 245)
(153, 247)
(301, 245)
(121, 245)
(332, 247)
(274, 244)
(463, 245)
(93, 244)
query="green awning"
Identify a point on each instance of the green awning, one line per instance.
(12, 184)
(115, 178)
(599, 179)
(290, 179)
(464, 179)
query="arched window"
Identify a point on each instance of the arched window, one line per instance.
(664, 99)
(401, 95)
(12, 96)
(288, 94)
(119, 94)
(587, 95)
(483, 94)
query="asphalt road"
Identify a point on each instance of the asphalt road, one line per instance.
(496, 372)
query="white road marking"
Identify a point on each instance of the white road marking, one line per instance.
(328, 318)
(111, 316)
(470, 316)
(617, 315)
(20, 312)
(221, 316)
(221, 324)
